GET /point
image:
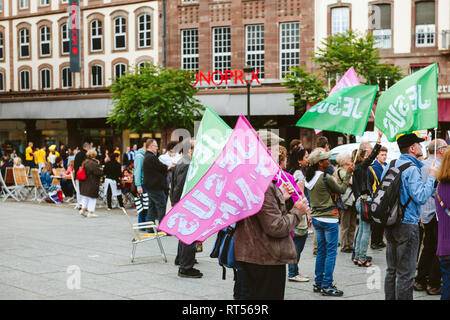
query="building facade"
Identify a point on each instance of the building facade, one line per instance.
(41, 99)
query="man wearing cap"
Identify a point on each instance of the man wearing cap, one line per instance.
(262, 242)
(403, 238)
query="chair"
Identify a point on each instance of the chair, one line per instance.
(8, 191)
(143, 237)
(21, 180)
(40, 192)
(9, 178)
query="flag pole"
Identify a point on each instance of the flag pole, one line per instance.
(435, 142)
(287, 180)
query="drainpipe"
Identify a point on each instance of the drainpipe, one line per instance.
(164, 33)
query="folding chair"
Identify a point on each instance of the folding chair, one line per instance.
(7, 191)
(21, 181)
(9, 177)
(142, 237)
(40, 192)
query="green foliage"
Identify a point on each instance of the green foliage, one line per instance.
(344, 50)
(305, 87)
(152, 98)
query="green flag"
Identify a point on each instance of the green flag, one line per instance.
(212, 135)
(346, 111)
(409, 105)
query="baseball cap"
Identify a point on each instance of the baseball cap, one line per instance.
(408, 140)
(268, 137)
(318, 155)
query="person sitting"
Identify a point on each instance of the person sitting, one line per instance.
(46, 178)
(18, 163)
(66, 184)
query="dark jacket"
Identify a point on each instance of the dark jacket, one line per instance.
(265, 238)
(178, 180)
(360, 174)
(155, 173)
(113, 170)
(90, 186)
(79, 158)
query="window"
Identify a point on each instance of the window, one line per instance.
(144, 31)
(255, 48)
(96, 35)
(289, 46)
(65, 39)
(45, 41)
(2, 46)
(24, 80)
(382, 26)
(2, 81)
(64, 1)
(24, 43)
(23, 4)
(221, 50)
(45, 79)
(1, 5)
(96, 76)
(340, 20)
(189, 49)
(44, 2)
(120, 28)
(425, 24)
(66, 78)
(119, 70)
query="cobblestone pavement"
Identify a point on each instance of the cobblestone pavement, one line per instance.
(43, 247)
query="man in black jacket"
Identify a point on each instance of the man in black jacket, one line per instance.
(155, 182)
(79, 158)
(186, 253)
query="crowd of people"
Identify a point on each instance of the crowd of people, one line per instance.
(331, 202)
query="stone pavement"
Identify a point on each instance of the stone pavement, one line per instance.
(43, 247)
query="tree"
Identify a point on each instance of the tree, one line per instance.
(305, 87)
(153, 98)
(344, 50)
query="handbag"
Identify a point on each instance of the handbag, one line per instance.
(81, 174)
(365, 209)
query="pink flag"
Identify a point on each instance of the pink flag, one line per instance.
(348, 79)
(231, 190)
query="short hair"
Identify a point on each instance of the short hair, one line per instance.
(58, 159)
(436, 144)
(342, 158)
(91, 153)
(322, 141)
(17, 161)
(171, 145)
(144, 142)
(86, 145)
(149, 141)
(383, 148)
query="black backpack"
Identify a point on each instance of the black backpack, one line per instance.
(385, 207)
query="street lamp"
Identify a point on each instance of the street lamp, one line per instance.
(248, 76)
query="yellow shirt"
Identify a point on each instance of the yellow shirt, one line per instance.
(40, 156)
(29, 154)
(118, 152)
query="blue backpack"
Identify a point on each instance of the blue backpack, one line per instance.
(223, 249)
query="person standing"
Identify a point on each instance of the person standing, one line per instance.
(262, 242)
(40, 158)
(375, 172)
(113, 181)
(141, 196)
(168, 158)
(442, 203)
(90, 187)
(365, 155)
(29, 159)
(155, 182)
(428, 272)
(185, 253)
(325, 218)
(78, 160)
(403, 238)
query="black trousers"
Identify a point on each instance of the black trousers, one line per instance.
(186, 255)
(377, 233)
(259, 282)
(109, 198)
(429, 271)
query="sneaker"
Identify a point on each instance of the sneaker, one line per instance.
(299, 278)
(83, 213)
(332, 291)
(92, 215)
(315, 252)
(419, 287)
(109, 209)
(433, 291)
(317, 287)
(190, 273)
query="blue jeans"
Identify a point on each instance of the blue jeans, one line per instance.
(157, 203)
(445, 269)
(363, 236)
(327, 235)
(299, 242)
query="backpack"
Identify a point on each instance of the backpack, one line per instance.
(376, 183)
(334, 196)
(223, 249)
(385, 207)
